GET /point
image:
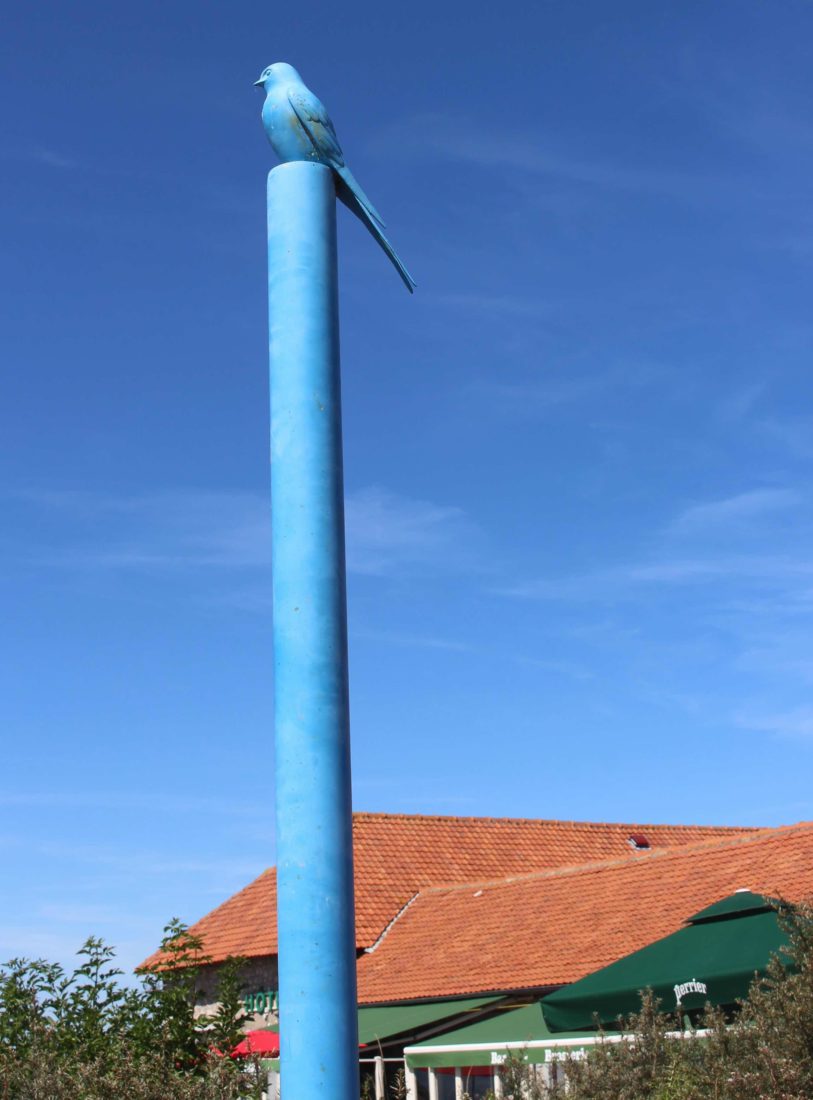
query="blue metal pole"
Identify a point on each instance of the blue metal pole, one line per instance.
(315, 917)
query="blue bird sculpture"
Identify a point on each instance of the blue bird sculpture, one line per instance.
(299, 128)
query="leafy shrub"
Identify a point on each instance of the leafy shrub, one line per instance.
(83, 1035)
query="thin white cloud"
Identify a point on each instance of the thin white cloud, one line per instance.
(797, 722)
(172, 529)
(551, 389)
(61, 913)
(441, 136)
(750, 576)
(387, 533)
(52, 158)
(739, 403)
(35, 940)
(734, 509)
(412, 641)
(500, 305)
(392, 534)
(557, 668)
(119, 802)
(38, 154)
(633, 580)
(777, 652)
(23, 941)
(792, 434)
(147, 864)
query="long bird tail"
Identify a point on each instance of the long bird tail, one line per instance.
(354, 203)
(353, 185)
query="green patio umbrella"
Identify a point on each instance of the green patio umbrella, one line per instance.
(714, 958)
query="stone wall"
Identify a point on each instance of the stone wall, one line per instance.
(259, 976)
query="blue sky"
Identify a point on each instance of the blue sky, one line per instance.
(578, 461)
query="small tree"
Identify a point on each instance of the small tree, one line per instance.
(65, 1037)
(88, 1009)
(224, 1027)
(167, 1021)
(26, 987)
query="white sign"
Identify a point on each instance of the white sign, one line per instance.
(689, 987)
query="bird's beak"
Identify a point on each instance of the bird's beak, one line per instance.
(259, 83)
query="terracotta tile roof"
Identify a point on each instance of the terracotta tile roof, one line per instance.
(398, 854)
(548, 929)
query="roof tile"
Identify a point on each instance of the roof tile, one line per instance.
(396, 855)
(550, 928)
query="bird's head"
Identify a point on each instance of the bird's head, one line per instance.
(278, 71)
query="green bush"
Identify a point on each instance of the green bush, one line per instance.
(84, 1035)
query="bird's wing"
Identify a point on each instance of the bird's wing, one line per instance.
(316, 123)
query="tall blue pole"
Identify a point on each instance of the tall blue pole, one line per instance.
(315, 918)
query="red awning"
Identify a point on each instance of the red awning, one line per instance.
(262, 1042)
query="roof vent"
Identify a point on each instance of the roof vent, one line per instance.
(638, 842)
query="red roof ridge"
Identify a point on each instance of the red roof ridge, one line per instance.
(386, 931)
(562, 822)
(752, 837)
